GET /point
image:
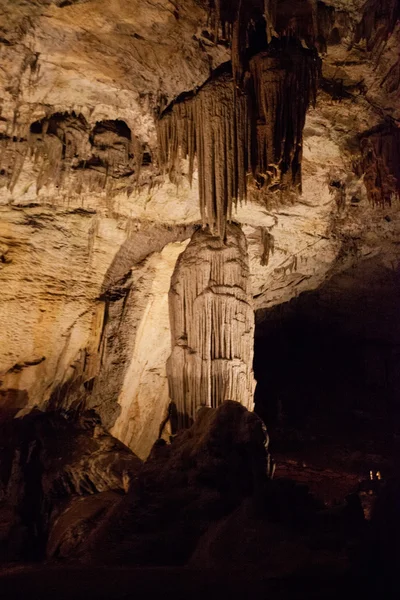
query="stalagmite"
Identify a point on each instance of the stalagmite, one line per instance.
(240, 125)
(212, 325)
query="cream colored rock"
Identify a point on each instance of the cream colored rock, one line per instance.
(212, 325)
(144, 396)
(84, 266)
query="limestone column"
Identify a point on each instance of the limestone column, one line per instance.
(212, 325)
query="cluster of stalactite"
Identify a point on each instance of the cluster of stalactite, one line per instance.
(234, 133)
(64, 144)
(213, 125)
(212, 325)
(376, 26)
(381, 163)
(240, 21)
(378, 22)
(284, 84)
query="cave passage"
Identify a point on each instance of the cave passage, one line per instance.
(328, 362)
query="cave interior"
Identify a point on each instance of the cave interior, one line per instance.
(200, 281)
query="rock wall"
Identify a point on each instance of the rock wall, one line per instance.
(212, 325)
(49, 460)
(85, 213)
(143, 397)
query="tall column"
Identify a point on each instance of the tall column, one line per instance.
(212, 325)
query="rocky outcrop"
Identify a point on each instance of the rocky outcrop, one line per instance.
(47, 460)
(206, 500)
(212, 325)
(140, 353)
(77, 522)
(203, 474)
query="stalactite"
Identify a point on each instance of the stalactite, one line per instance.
(278, 77)
(212, 325)
(325, 25)
(268, 246)
(378, 22)
(55, 143)
(13, 151)
(214, 127)
(233, 133)
(270, 8)
(381, 163)
(282, 18)
(376, 26)
(62, 146)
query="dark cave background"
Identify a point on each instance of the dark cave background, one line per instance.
(328, 361)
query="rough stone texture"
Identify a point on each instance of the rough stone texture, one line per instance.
(77, 522)
(144, 398)
(212, 325)
(206, 501)
(291, 535)
(46, 460)
(64, 81)
(81, 81)
(202, 475)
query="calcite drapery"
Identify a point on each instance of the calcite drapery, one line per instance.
(213, 125)
(236, 133)
(212, 325)
(284, 84)
(380, 149)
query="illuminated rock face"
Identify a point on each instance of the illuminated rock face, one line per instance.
(89, 226)
(212, 325)
(143, 399)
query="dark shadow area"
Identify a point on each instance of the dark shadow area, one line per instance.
(11, 402)
(328, 370)
(327, 366)
(117, 127)
(333, 354)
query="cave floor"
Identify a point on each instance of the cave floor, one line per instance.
(120, 583)
(334, 455)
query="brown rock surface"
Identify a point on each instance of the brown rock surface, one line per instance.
(81, 87)
(48, 459)
(183, 487)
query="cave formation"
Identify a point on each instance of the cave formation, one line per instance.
(212, 325)
(249, 122)
(199, 241)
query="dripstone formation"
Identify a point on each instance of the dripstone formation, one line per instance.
(241, 126)
(212, 325)
(186, 186)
